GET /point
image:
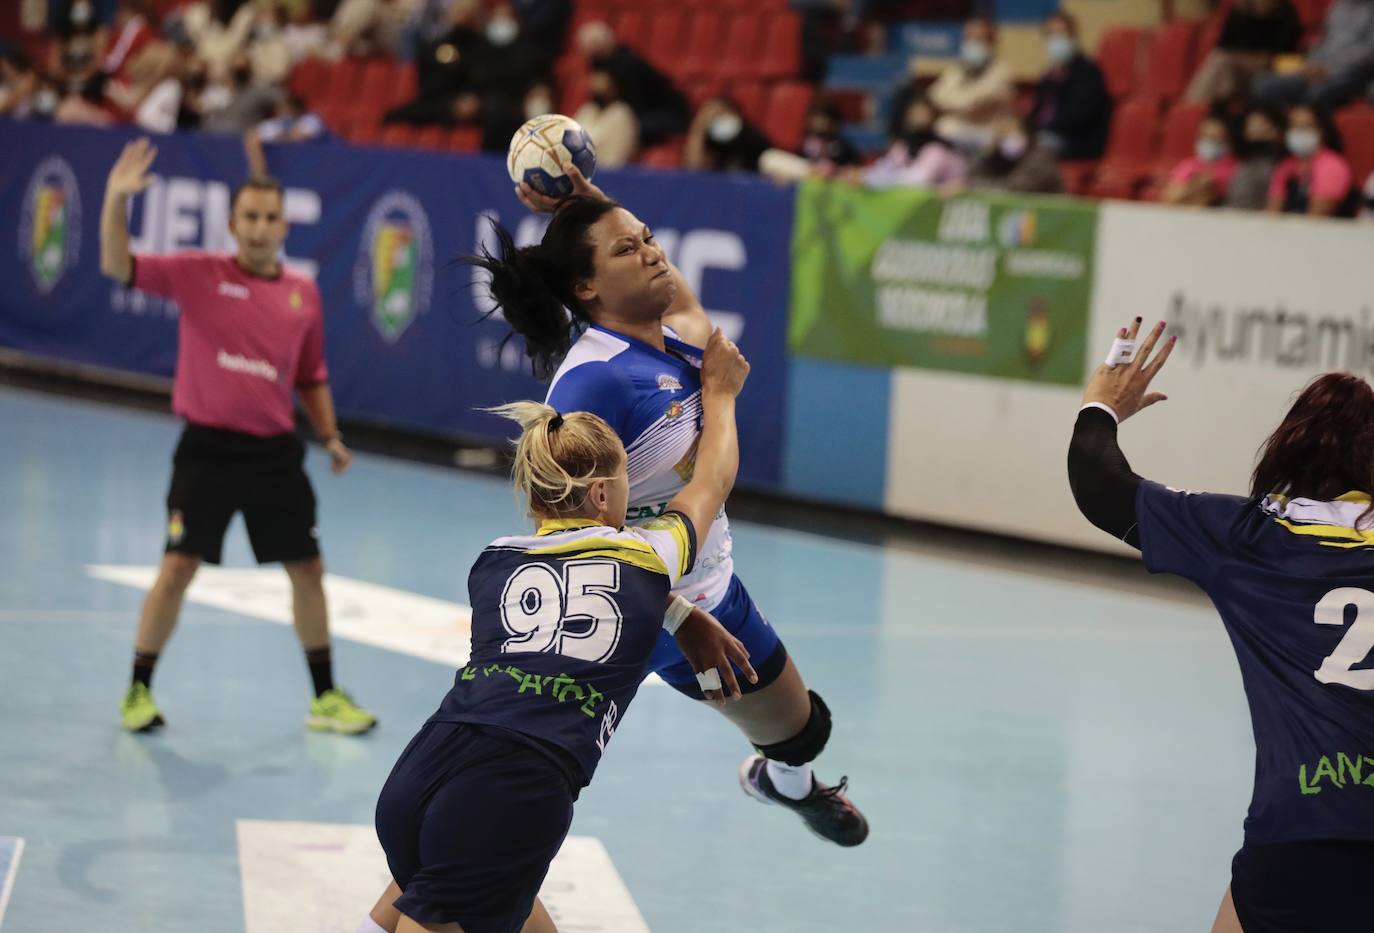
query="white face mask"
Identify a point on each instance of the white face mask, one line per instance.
(45, 102)
(1060, 49)
(1302, 142)
(725, 127)
(975, 53)
(82, 13)
(1013, 147)
(1209, 150)
(502, 31)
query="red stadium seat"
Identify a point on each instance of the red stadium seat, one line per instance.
(743, 46)
(750, 97)
(632, 29)
(1170, 61)
(781, 56)
(784, 121)
(667, 37)
(365, 133)
(308, 79)
(432, 137)
(398, 134)
(667, 154)
(699, 92)
(464, 139)
(1078, 176)
(1130, 150)
(1117, 55)
(1179, 139)
(406, 86)
(703, 46)
(377, 86)
(1313, 13)
(344, 81)
(1356, 123)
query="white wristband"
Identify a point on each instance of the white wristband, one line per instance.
(1122, 351)
(678, 611)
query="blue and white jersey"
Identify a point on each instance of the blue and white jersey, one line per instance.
(652, 400)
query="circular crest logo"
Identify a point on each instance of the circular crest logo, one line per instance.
(394, 274)
(50, 227)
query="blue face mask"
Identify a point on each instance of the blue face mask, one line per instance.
(1209, 150)
(975, 53)
(1060, 49)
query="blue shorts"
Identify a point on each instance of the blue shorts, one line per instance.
(469, 821)
(742, 619)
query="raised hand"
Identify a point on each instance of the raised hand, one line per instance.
(723, 367)
(1122, 387)
(129, 175)
(545, 204)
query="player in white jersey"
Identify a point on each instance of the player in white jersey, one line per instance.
(626, 349)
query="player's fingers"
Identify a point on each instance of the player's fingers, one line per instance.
(1153, 397)
(1134, 331)
(727, 677)
(1157, 363)
(740, 656)
(1142, 355)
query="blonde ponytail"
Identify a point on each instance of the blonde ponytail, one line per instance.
(558, 456)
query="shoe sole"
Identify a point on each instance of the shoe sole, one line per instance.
(154, 723)
(325, 724)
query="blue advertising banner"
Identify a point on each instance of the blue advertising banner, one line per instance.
(379, 229)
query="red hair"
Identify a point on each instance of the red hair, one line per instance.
(1325, 445)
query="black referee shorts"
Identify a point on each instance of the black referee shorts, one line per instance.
(1303, 887)
(216, 472)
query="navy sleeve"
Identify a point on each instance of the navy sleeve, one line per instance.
(1190, 534)
(599, 388)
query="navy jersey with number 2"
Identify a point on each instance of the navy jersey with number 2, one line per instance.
(563, 624)
(1293, 581)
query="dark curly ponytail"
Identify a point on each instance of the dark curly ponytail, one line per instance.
(533, 286)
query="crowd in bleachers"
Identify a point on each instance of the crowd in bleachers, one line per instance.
(1261, 106)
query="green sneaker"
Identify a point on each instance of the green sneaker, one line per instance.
(138, 711)
(335, 711)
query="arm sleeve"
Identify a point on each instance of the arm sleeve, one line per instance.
(311, 369)
(1103, 483)
(1186, 533)
(674, 540)
(599, 388)
(166, 276)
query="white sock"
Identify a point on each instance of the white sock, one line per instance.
(370, 926)
(789, 781)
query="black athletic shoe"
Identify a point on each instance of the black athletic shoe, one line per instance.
(826, 810)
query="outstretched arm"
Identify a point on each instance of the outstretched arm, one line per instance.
(128, 177)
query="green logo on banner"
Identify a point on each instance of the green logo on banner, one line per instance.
(989, 285)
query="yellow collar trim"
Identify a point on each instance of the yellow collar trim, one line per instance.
(550, 526)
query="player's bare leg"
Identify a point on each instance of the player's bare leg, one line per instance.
(161, 607)
(790, 726)
(1227, 921)
(388, 918)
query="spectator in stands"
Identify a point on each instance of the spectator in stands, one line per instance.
(658, 105)
(1315, 179)
(236, 104)
(79, 43)
(721, 140)
(1013, 161)
(255, 28)
(445, 71)
(509, 64)
(546, 24)
(294, 122)
(609, 120)
(1259, 152)
(1202, 179)
(1253, 33)
(368, 27)
(539, 99)
(1072, 113)
(917, 158)
(18, 81)
(975, 93)
(823, 146)
(1338, 68)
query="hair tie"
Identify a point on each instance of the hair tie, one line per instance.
(556, 421)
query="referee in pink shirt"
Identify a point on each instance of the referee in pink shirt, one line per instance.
(251, 336)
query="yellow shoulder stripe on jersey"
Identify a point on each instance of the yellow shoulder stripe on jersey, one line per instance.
(1345, 537)
(675, 525)
(629, 550)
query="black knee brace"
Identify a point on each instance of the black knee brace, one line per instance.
(807, 745)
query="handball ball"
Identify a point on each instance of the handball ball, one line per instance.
(540, 149)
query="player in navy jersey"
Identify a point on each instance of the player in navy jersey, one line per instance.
(564, 621)
(1290, 569)
(626, 349)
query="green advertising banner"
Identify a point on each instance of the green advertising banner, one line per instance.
(990, 285)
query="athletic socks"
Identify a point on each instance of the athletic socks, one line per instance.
(793, 782)
(143, 668)
(321, 669)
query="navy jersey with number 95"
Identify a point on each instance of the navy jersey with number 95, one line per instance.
(1293, 581)
(563, 624)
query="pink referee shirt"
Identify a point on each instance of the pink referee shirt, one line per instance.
(246, 343)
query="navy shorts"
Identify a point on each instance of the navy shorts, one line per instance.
(470, 821)
(1303, 887)
(742, 619)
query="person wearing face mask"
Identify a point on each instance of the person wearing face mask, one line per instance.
(1338, 68)
(1013, 161)
(1315, 179)
(609, 120)
(1253, 33)
(661, 109)
(1259, 152)
(1202, 179)
(976, 92)
(823, 146)
(507, 65)
(918, 158)
(1072, 113)
(446, 69)
(721, 140)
